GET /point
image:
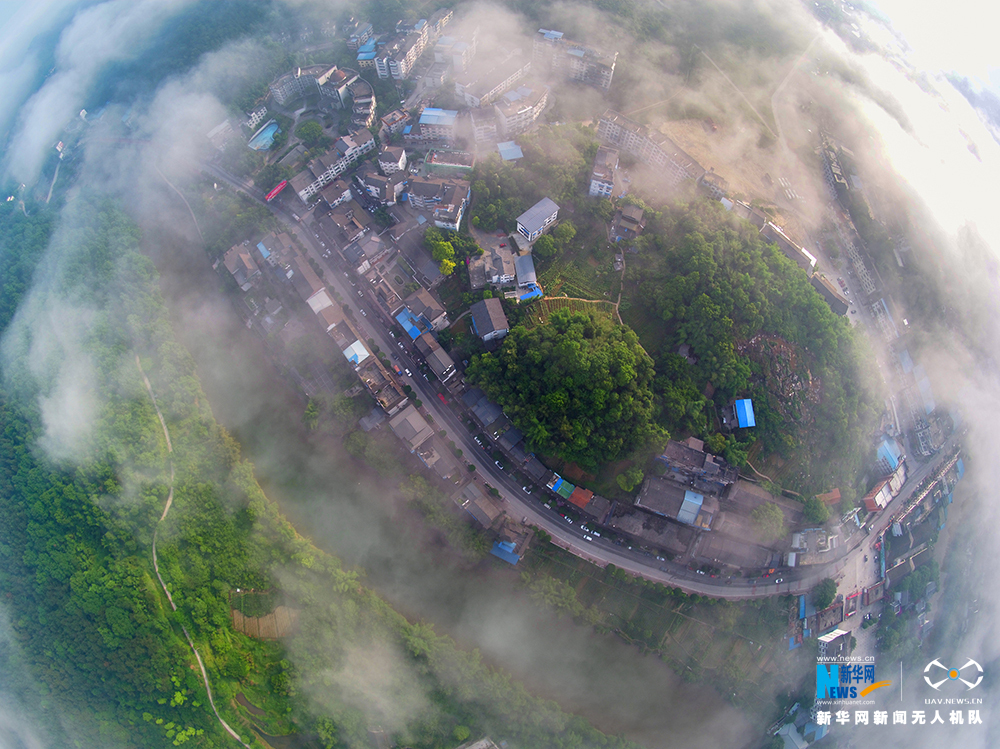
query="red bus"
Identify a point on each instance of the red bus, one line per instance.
(271, 195)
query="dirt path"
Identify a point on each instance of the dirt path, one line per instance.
(156, 564)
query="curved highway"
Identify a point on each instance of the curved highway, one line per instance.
(568, 535)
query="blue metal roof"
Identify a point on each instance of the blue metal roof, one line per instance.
(890, 452)
(744, 413)
(264, 252)
(510, 151)
(500, 550)
(690, 507)
(531, 292)
(410, 323)
(434, 116)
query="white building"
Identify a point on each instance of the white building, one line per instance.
(324, 169)
(649, 147)
(483, 88)
(392, 159)
(517, 110)
(602, 176)
(537, 219)
(575, 61)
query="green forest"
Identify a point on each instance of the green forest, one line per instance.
(579, 387)
(97, 641)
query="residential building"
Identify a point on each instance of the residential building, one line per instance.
(328, 81)
(602, 175)
(445, 198)
(241, 266)
(525, 269)
(484, 125)
(395, 121)
(398, 56)
(411, 428)
(519, 109)
(384, 189)
(689, 464)
(433, 126)
(477, 504)
(629, 223)
(255, 117)
(537, 219)
(377, 379)
(421, 313)
(833, 644)
(449, 161)
(716, 186)
(494, 267)
(351, 220)
(488, 320)
(363, 98)
(436, 357)
(336, 193)
(366, 55)
(513, 541)
(802, 257)
(392, 159)
(456, 53)
(484, 87)
(275, 248)
(309, 285)
(648, 146)
(322, 170)
(437, 22)
(357, 33)
(574, 61)
(672, 500)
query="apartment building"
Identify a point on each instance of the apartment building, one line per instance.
(648, 146)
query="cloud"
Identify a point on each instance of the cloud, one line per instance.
(99, 35)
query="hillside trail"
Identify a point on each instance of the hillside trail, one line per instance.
(156, 564)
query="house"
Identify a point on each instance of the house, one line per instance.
(275, 247)
(525, 269)
(495, 267)
(517, 110)
(392, 159)
(740, 414)
(241, 265)
(411, 428)
(629, 223)
(420, 314)
(395, 121)
(436, 357)
(336, 193)
(384, 189)
(477, 504)
(537, 219)
(513, 541)
(672, 500)
(602, 175)
(447, 199)
(351, 220)
(688, 462)
(488, 320)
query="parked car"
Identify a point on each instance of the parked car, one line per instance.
(364, 314)
(526, 489)
(588, 538)
(779, 581)
(408, 373)
(360, 292)
(443, 399)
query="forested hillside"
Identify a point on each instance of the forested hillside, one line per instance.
(97, 635)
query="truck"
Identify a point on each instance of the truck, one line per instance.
(396, 369)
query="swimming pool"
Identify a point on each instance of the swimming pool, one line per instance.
(263, 138)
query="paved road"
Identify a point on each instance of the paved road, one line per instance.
(568, 535)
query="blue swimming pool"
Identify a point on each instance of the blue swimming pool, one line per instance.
(263, 138)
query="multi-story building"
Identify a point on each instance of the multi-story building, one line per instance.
(488, 320)
(385, 189)
(650, 147)
(575, 61)
(433, 126)
(602, 176)
(484, 125)
(716, 185)
(395, 121)
(363, 97)
(357, 33)
(537, 219)
(485, 87)
(455, 53)
(255, 117)
(518, 110)
(437, 22)
(322, 170)
(446, 198)
(392, 159)
(329, 81)
(397, 58)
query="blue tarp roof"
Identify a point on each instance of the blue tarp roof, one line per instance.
(531, 292)
(410, 323)
(500, 550)
(264, 252)
(744, 413)
(690, 507)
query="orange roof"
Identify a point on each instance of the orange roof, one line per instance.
(581, 497)
(830, 498)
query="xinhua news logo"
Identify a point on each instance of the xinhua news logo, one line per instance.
(936, 674)
(846, 681)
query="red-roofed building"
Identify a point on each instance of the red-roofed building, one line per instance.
(830, 498)
(581, 497)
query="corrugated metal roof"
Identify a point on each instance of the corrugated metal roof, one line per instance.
(499, 551)
(690, 507)
(744, 413)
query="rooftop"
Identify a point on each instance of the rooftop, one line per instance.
(433, 116)
(510, 151)
(534, 218)
(488, 316)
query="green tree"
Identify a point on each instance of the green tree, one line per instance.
(769, 520)
(824, 593)
(630, 479)
(545, 248)
(564, 233)
(309, 132)
(816, 511)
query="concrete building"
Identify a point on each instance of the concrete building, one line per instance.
(456, 53)
(688, 463)
(433, 126)
(363, 103)
(336, 193)
(484, 125)
(385, 189)
(447, 199)
(322, 170)
(677, 502)
(488, 320)
(398, 56)
(519, 109)
(574, 61)
(716, 186)
(537, 219)
(802, 257)
(436, 357)
(394, 122)
(525, 270)
(495, 267)
(328, 81)
(830, 293)
(392, 159)
(421, 313)
(357, 33)
(603, 173)
(449, 161)
(411, 428)
(485, 87)
(240, 264)
(648, 146)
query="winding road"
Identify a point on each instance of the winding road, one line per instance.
(156, 563)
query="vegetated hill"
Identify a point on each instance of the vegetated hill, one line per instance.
(578, 386)
(96, 635)
(756, 328)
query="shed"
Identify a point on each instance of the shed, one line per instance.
(744, 413)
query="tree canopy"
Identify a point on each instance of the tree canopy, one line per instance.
(769, 520)
(824, 593)
(578, 386)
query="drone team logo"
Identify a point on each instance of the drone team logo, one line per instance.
(971, 669)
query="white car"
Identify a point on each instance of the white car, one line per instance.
(588, 538)
(408, 373)
(364, 314)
